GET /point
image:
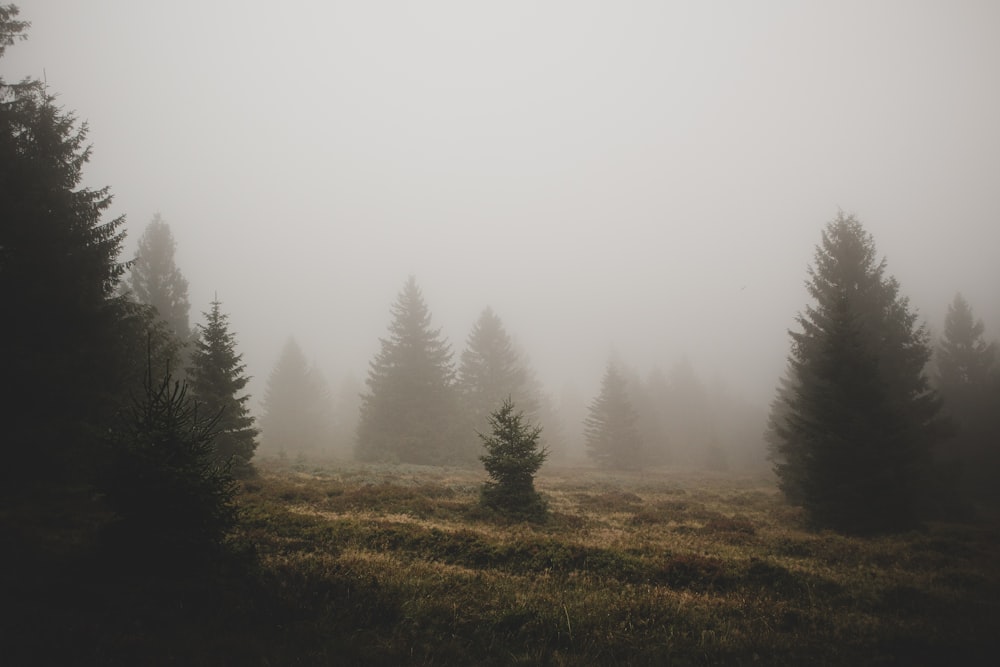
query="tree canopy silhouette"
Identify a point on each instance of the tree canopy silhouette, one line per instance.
(853, 420)
(59, 269)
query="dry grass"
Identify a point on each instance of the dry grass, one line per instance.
(650, 568)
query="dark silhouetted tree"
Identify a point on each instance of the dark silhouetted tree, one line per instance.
(297, 406)
(217, 380)
(610, 429)
(491, 370)
(513, 456)
(409, 413)
(155, 279)
(173, 500)
(59, 270)
(853, 421)
(966, 378)
(778, 452)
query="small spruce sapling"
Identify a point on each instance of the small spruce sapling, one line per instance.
(513, 456)
(172, 499)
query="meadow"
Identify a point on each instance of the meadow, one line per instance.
(347, 564)
(364, 564)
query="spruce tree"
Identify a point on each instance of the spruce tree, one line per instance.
(778, 453)
(409, 413)
(966, 368)
(610, 429)
(155, 279)
(688, 416)
(297, 406)
(650, 399)
(217, 379)
(58, 272)
(171, 497)
(853, 421)
(491, 370)
(513, 456)
(964, 360)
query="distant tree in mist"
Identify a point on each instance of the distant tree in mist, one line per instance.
(651, 400)
(965, 361)
(491, 370)
(217, 379)
(347, 412)
(155, 279)
(297, 406)
(854, 420)
(737, 428)
(561, 418)
(966, 377)
(689, 416)
(410, 411)
(59, 269)
(610, 429)
(513, 456)
(554, 437)
(687, 424)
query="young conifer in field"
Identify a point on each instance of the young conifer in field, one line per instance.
(513, 456)
(172, 498)
(217, 377)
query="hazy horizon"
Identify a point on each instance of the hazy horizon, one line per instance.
(641, 179)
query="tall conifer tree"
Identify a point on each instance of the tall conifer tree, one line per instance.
(58, 272)
(297, 405)
(491, 370)
(965, 361)
(155, 279)
(853, 421)
(409, 412)
(610, 429)
(217, 380)
(967, 379)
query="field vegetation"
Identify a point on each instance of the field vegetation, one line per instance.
(350, 563)
(402, 565)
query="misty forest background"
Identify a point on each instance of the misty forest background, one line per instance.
(131, 433)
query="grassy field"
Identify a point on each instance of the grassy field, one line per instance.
(398, 565)
(348, 564)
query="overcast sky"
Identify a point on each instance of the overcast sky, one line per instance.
(643, 178)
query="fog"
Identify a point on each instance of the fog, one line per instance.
(646, 180)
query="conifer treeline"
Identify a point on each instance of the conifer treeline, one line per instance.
(94, 425)
(869, 430)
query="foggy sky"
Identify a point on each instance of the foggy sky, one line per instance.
(647, 179)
